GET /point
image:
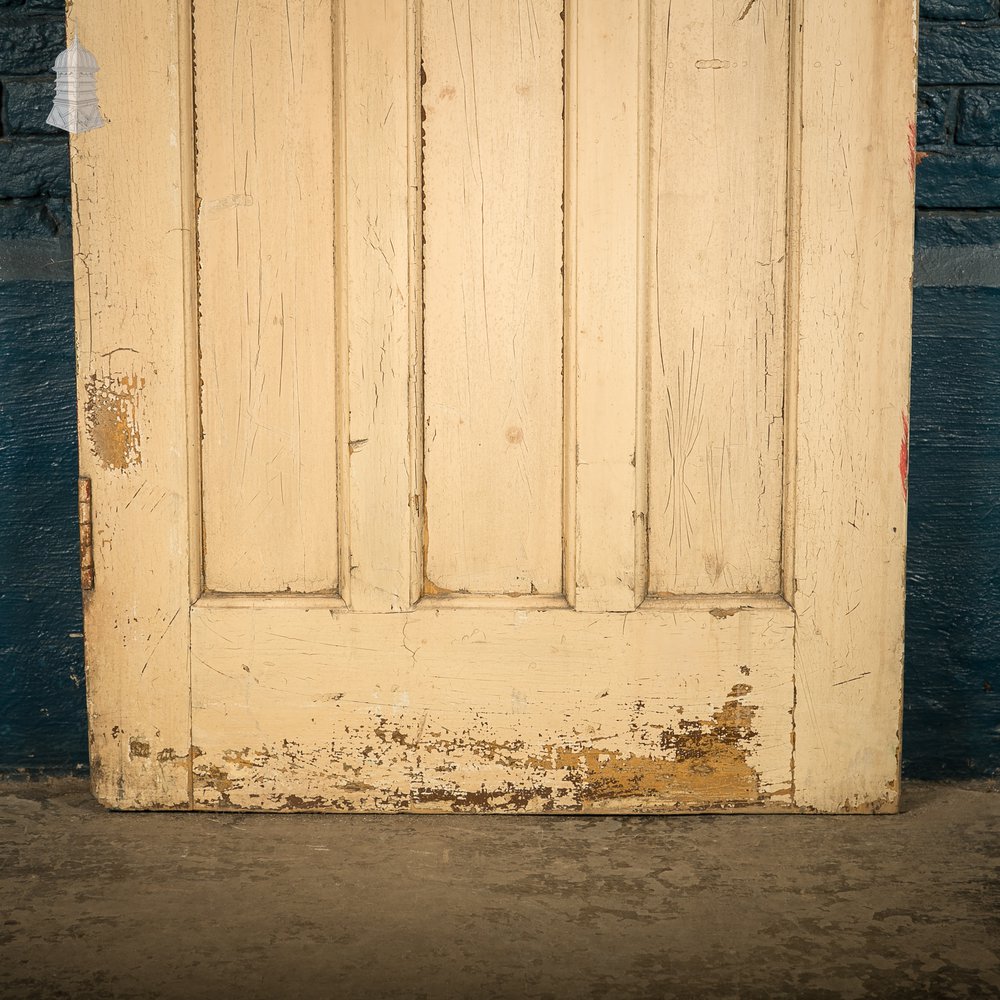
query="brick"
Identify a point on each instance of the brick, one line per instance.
(30, 45)
(963, 178)
(979, 117)
(59, 212)
(32, 167)
(957, 229)
(933, 106)
(958, 10)
(33, 6)
(25, 220)
(26, 106)
(959, 53)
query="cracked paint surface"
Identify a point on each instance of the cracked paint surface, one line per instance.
(473, 711)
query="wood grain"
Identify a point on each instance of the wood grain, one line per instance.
(493, 178)
(718, 178)
(265, 116)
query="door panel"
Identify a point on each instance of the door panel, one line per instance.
(492, 103)
(718, 178)
(265, 160)
(486, 709)
(640, 547)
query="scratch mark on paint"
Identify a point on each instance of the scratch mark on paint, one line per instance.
(850, 679)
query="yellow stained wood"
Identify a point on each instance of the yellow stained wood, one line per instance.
(605, 300)
(481, 710)
(718, 186)
(378, 206)
(265, 179)
(133, 264)
(852, 378)
(493, 316)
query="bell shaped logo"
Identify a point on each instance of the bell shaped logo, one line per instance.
(75, 108)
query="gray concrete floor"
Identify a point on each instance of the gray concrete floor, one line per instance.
(98, 904)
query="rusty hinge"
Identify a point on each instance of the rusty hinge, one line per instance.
(86, 534)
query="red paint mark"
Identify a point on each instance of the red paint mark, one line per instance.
(904, 454)
(912, 128)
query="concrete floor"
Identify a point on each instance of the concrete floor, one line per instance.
(98, 904)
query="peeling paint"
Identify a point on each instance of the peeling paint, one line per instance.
(111, 412)
(726, 612)
(703, 762)
(390, 766)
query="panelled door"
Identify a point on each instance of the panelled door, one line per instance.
(496, 405)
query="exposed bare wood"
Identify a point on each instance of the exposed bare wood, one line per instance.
(719, 126)
(858, 106)
(477, 710)
(133, 264)
(264, 101)
(493, 234)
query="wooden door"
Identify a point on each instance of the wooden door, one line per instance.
(496, 406)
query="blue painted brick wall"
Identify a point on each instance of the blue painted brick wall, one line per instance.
(951, 721)
(42, 706)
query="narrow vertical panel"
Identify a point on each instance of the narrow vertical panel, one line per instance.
(493, 320)
(607, 70)
(718, 176)
(855, 254)
(134, 269)
(378, 206)
(265, 177)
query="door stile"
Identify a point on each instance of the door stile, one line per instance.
(134, 266)
(378, 205)
(604, 283)
(853, 329)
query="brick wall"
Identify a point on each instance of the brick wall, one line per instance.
(951, 722)
(42, 710)
(34, 167)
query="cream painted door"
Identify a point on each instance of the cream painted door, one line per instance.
(496, 405)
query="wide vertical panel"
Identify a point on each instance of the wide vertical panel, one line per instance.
(858, 72)
(718, 179)
(607, 73)
(377, 206)
(265, 117)
(132, 235)
(493, 232)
